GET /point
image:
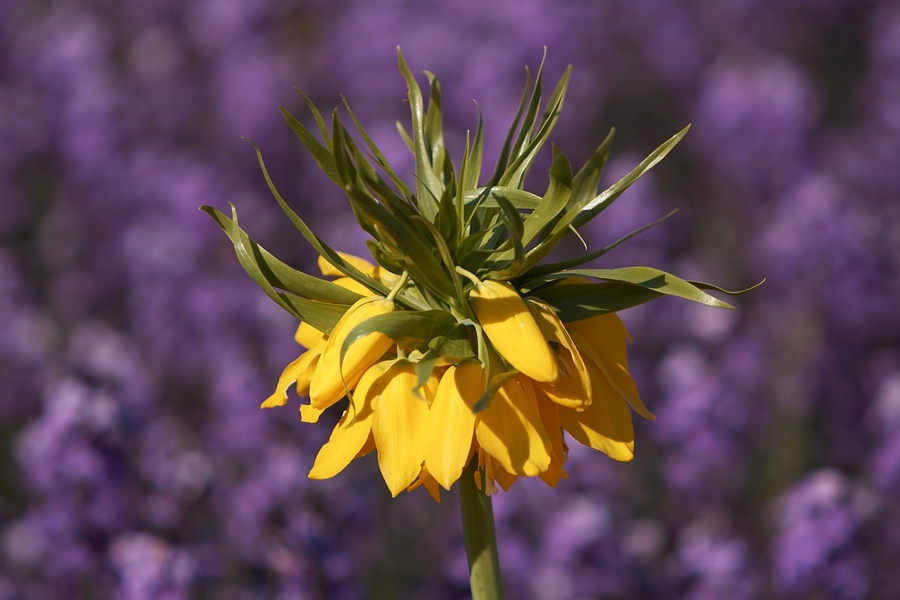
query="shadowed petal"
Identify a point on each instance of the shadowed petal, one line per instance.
(605, 425)
(510, 430)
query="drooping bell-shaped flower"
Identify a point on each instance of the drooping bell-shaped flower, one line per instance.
(458, 344)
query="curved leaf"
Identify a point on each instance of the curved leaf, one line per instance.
(408, 329)
(648, 278)
(577, 301)
(595, 206)
(279, 274)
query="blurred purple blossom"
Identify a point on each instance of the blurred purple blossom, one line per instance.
(135, 353)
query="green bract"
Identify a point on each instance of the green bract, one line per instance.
(452, 227)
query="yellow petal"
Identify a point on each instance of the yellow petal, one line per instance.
(549, 412)
(308, 336)
(328, 270)
(603, 339)
(427, 480)
(309, 414)
(399, 421)
(350, 434)
(504, 479)
(328, 383)
(573, 389)
(510, 430)
(451, 422)
(353, 285)
(297, 372)
(512, 330)
(605, 425)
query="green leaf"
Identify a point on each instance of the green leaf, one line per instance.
(382, 161)
(534, 104)
(600, 202)
(709, 286)
(407, 237)
(487, 196)
(320, 153)
(587, 179)
(514, 227)
(495, 384)
(453, 347)
(318, 245)
(578, 213)
(320, 122)
(577, 301)
(279, 274)
(470, 170)
(407, 328)
(433, 128)
(554, 201)
(547, 268)
(323, 316)
(445, 255)
(428, 188)
(503, 158)
(518, 169)
(648, 278)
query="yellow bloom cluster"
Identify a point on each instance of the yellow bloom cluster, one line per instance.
(565, 378)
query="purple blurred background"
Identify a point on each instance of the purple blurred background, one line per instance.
(134, 352)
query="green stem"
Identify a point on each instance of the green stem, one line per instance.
(485, 579)
(399, 285)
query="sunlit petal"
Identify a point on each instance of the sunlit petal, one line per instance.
(398, 424)
(329, 270)
(308, 336)
(297, 372)
(451, 422)
(352, 431)
(328, 382)
(549, 412)
(512, 330)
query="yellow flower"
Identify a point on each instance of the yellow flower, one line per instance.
(603, 340)
(573, 380)
(539, 369)
(512, 330)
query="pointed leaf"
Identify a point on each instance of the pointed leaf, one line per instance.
(280, 275)
(321, 247)
(408, 329)
(320, 153)
(427, 187)
(649, 278)
(595, 206)
(547, 268)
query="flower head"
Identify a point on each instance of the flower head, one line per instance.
(460, 343)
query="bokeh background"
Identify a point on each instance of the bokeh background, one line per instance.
(134, 352)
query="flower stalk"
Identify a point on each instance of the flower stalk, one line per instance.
(485, 579)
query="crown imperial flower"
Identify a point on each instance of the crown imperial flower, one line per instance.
(460, 344)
